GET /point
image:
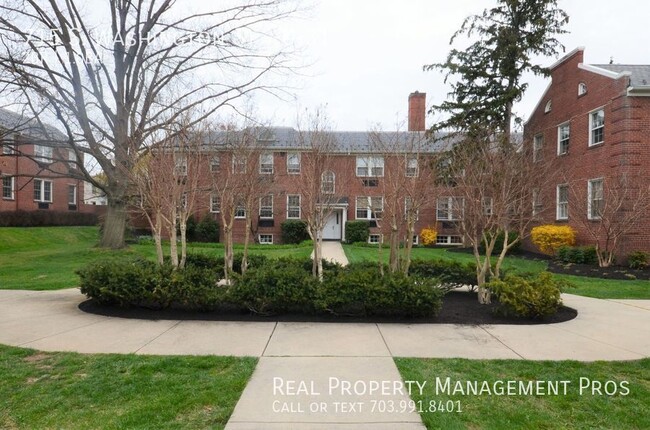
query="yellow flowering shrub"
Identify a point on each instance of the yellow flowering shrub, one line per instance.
(428, 236)
(549, 238)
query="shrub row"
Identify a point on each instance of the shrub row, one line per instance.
(46, 218)
(577, 254)
(294, 231)
(268, 287)
(357, 231)
(638, 260)
(205, 230)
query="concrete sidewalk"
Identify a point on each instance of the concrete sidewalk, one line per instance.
(333, 252)
(311, 355)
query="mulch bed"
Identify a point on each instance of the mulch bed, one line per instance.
(459, 307)
(593, 271)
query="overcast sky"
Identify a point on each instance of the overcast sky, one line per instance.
(368, 55)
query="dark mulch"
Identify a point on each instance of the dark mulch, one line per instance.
(458, 308)
(593, 271)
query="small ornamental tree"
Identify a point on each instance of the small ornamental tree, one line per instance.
(549, 238)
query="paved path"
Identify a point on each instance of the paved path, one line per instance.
(322, 354)
(333, 251)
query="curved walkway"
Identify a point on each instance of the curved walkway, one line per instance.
(299, 361)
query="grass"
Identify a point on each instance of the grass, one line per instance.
(45, 258)
(68, 390)
(585, 286)
(571, 411)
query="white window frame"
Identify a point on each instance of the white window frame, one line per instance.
(448, 240)
(538, 147)
(408, 202)
(416, 239)
(412, 167)
(180, 165)
(370, 166)
(487, 204)
(325, 181)
(538, 205)
(239, 165)
(591, 198)
(294, 168)
(593, 128)
(370, 208)
(266, 163)
(215, 203)
(12, 185)
(265, 242)
(75, 194)
(562, 139)
(549, 106)
(7, 148)
(375, 238)
(43, 154)
(293, 208)
(266, 210)
(451, 208)
(240, 212)
(582, 89)
(561, 207)
(215, 163)
(42, 190)
(72, 159)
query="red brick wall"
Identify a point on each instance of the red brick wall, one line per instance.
(626, 144)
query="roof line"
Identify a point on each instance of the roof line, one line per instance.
(603, 72)
(539, 102)
(566, 57)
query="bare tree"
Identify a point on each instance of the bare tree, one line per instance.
(407, 187)
(113, 93)
(494, 190)
(608, 208)
(319, 186)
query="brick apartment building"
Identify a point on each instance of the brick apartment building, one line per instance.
(36, 168)
(593, 122)
(356, 179)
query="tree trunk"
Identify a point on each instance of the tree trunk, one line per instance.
(173, 245)
(114, 224)
(394, 249)
(244, 258)
(408, 247)
(228, 252)
(183, 228)
(482, 268)
(157, 238)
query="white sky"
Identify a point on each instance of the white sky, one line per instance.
(367, 55)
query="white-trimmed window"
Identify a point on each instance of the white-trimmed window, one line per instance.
(7, 148)
(8, 187)
(293, 163)
(370, 166)
(596, 202)
(596, 127)
(293, 206)
(562, 207)
(239, 164)
(266, 207)
(548, 107)
(582, 89)
(416, 239)
(265, 239)
(328, 182)
(215, 163)
(72, 194)
(375, 238)
(408, 208)
(266, 163)
(487, 204)
(369, 207)
(43, 154)
(563, 137)
(412, 170)
(42, 191)
(215, 203)
(537, 202)
(72, 159)
(538, 147)
(449, 208)
(240, 212)
(449, 240)
(180, 165)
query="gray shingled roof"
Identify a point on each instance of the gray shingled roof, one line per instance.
(19, 123)
(640, 73)
(287, 138)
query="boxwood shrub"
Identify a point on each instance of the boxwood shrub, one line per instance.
(357, 231)
(294, 231)
(268, 287)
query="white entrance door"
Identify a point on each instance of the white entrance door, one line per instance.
(333, 223)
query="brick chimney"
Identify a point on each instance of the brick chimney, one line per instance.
(417, 111)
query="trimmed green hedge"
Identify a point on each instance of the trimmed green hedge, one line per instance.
(357, 231)
(268, 287)
(294, 231)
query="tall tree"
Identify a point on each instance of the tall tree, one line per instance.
(113, 92)
(488, 74)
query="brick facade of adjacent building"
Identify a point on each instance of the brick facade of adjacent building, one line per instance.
(576, 94)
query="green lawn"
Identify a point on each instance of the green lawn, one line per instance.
(68, 390)
(45, 258)
(571, 411)
(590, 287)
